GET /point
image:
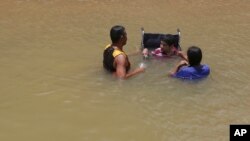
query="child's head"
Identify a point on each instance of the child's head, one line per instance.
(194, 55)
(167, 43)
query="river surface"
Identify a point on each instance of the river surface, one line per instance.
(53, 86)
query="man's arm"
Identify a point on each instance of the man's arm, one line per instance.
(121, 61)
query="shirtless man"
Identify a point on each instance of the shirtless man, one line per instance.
(115, 59)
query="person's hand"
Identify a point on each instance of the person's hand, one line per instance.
(181, 64)
(142, 65)
(145, 52)
(182, 55)
(140, 69)
(177, 67)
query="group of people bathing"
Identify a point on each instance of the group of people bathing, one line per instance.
(116, 60)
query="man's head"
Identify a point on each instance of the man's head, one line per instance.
(167, 42)
(194, 55)
(118, 34)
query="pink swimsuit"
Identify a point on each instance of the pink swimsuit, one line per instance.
(159, 52)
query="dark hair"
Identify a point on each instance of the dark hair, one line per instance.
(194, 55)
(168, 39)
(116, 33)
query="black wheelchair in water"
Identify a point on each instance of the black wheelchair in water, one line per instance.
(153, 40)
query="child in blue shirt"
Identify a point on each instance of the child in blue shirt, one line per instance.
(190, 67)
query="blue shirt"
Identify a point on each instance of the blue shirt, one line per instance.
(189, 72)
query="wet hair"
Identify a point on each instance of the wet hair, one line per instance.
(116, 33)
(194, 55)
(169, 39)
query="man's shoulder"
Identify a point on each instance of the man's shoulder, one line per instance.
(120, 59)
(118, 52)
